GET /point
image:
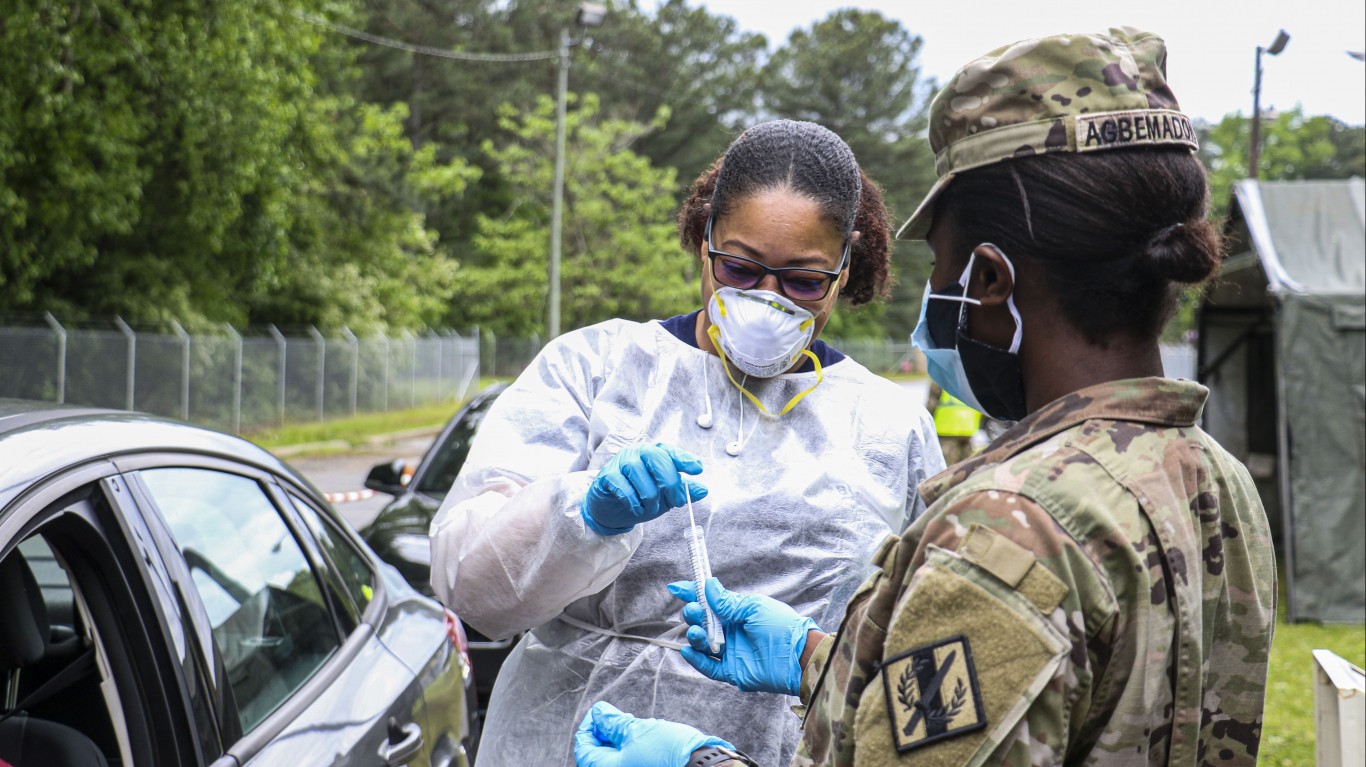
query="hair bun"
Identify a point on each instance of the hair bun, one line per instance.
(1187, 252)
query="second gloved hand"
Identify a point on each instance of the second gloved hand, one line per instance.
(764, 638)
(610, 737)
(640, 483)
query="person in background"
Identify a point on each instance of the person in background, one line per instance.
(955, 422)
(1098, 585)
(796, 459)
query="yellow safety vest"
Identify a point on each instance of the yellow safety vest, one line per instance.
(952, 418)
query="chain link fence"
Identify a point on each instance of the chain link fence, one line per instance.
(507, 357)
(245, 380)
(234, 380)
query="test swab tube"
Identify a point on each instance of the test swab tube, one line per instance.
(701, 568)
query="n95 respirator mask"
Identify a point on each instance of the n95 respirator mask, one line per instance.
(761, 332)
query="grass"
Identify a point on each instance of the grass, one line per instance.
(1288, 724)
(357, 429)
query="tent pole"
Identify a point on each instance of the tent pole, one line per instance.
(1283, 473)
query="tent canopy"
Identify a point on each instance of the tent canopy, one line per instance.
(1283, 349)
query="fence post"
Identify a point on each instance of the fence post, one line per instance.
(386, 371)
(440, 359)
(281, 369)
(493, 353)
(354, 387)
(412, 346)
(184, 370)
(322, 367)
(236, 381)
(61, 355)
(132, 358)
(469, 372)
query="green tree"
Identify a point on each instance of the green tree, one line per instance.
(453, 103)
(71, 123)
(171, 160)
(620, 256)
(689, 74)
(693, 75)
(858, 73)
(1294, 146)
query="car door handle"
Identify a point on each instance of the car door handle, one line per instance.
(408, 745)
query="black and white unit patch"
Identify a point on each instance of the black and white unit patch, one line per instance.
(932, 694)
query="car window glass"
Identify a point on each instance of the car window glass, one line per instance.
(263, 600)
(440, 475)
(353, 569)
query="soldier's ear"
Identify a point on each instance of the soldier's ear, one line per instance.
(993, 276)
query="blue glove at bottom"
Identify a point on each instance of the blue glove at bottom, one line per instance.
(638, 484)
(610, 737)
(764, 638)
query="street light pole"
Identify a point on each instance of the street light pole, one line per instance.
(589, 15)
(1254, 154)
(557, 201)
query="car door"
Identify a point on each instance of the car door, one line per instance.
(415, 629)
(304, 682)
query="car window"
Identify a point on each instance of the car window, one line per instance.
(352, 568)
(264, 603)
(440, 475)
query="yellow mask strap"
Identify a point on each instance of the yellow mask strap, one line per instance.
(714, 333)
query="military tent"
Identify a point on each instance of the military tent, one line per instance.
(1282, 346)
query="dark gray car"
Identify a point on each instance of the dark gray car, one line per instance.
(175, 596)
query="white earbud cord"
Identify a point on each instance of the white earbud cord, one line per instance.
(735, 447)
(705, 420)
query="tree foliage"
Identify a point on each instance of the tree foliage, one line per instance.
(620, 256)
(693, 76)
(858, 73)
(171, 160)
(1294, 146)
(251, 163)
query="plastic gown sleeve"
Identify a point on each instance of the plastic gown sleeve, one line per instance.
(510, 549)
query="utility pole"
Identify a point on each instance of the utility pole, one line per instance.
(1255, 153)
(589, 15)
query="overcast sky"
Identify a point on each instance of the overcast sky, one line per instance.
(1211, 44)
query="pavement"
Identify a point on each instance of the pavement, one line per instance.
(340, 472)
(339, 469)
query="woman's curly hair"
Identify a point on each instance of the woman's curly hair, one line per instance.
(812, 161)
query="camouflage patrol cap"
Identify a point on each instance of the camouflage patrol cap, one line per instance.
(1064, 93)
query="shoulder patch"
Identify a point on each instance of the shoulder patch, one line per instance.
(932, 693)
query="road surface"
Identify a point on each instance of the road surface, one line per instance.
(346, 472)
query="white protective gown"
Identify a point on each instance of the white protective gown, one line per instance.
(795, 515)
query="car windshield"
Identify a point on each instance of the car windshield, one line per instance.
(438, 477)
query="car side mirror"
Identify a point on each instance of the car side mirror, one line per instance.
(387, 478)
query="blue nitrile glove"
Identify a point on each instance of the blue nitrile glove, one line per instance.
(764, 638)
(610, 737)
(637, 485)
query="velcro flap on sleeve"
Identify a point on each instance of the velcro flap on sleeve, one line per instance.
(1013, 565)
(964, 660)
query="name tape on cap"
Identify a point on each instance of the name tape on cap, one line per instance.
(1113, 130)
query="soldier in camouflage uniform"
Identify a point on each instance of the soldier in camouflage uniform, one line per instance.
(1097, 586)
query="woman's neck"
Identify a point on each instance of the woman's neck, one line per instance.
(1065, 362)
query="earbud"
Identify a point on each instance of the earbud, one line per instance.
(733, 448)
(704, 420)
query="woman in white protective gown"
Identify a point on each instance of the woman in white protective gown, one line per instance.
(565, 520)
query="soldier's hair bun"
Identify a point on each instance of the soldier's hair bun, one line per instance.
(1187, 252)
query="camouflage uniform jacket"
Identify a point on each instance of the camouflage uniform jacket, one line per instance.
(1097, 587)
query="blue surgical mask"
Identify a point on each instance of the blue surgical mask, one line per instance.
(984, 377)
